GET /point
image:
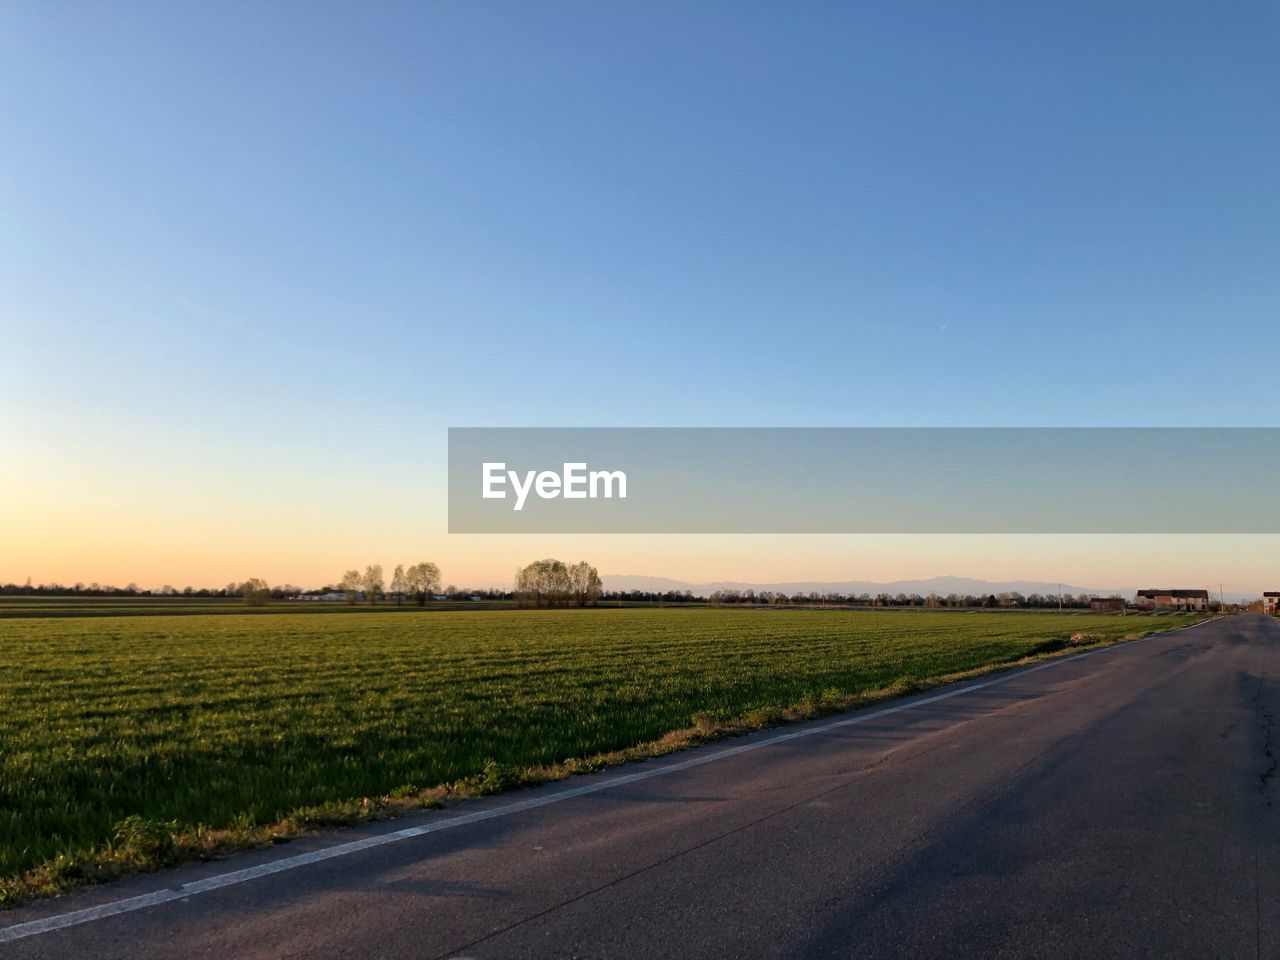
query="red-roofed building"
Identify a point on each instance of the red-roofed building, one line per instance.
(1172, 599)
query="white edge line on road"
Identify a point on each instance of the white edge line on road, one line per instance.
(113, 909)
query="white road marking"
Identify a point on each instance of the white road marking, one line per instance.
(101, 912)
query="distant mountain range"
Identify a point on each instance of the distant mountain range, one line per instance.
(939, 585)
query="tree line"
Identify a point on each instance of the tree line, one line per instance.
(553, 583)
(932, 600)
(233, 589)
(543, 583)
(418, 581)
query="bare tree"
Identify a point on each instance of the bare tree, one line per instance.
(351, 585)
(398, 586)
(585, 583)
(255, 592)
(543, 583)
(421, 581)
(372, 582)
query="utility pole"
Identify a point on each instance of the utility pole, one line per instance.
(1059, 598)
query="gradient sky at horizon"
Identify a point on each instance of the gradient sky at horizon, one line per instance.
(255, 259)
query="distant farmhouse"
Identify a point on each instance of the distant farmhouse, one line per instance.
(1172, 599)
(331, 596)
(1271, 601)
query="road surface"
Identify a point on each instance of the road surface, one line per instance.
(1121, 804)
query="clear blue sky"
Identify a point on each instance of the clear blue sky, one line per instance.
(377, 220)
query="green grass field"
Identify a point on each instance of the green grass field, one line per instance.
(230, 720)
(95, 606)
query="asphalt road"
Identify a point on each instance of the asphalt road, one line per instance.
(1118, 805)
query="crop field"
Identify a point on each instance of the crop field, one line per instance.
(225, 721)
(94, 606)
